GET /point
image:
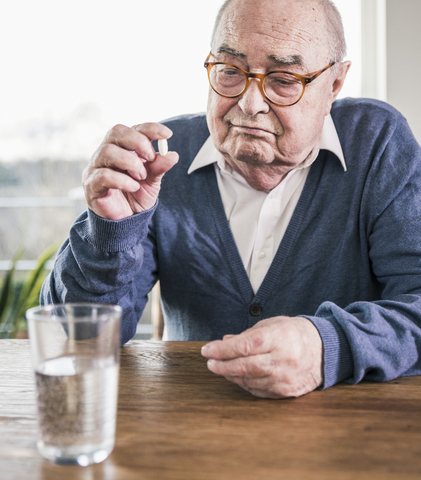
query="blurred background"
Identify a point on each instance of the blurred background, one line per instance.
(71, 69)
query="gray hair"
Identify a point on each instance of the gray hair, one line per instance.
(335, 30)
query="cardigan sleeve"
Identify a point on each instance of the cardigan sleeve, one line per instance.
(381, 340)
(115, 262)
(99, 263)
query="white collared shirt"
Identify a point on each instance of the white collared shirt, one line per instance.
(258, 220)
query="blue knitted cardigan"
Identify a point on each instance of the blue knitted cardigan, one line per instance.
(350, 260)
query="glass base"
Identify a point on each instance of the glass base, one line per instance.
(82, 455)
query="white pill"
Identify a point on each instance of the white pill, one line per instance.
(163, 146)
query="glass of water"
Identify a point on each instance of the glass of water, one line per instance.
(75, 354)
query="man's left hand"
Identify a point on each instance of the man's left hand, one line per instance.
(277, 358)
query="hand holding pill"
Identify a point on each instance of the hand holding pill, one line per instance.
(125, 173)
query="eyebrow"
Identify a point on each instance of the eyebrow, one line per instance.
(288, 61)
(282, 61)
(224, 48)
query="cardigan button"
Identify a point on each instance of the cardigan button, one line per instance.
(256, 309)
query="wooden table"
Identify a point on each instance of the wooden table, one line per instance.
(176, 420)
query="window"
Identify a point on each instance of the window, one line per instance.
(70, 71)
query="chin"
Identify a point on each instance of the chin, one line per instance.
(253, 154)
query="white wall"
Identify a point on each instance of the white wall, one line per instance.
(373, 49)
(351, 18)
(403, 20)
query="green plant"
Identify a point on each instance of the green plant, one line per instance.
(16, 297)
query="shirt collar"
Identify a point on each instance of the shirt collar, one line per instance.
(329, 140)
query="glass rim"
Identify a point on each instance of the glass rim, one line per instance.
(42, 313)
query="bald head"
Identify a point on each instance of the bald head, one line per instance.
(335, 38)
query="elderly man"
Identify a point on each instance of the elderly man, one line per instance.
(289, 232)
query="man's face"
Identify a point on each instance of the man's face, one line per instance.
(261, 36)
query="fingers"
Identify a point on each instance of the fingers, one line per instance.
(154, 131)
(260, 387)
(137, 139)
(130, 150)
(129, 139)
(251, 342)
(279, 357)
(255, 374)
(256, 366)
(124, 175)
(280, 385)
(262, 376)
(126, 158)
(112, 156)
(155, 170)
(103, 179)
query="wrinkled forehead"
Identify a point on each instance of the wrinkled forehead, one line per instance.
(265, 29)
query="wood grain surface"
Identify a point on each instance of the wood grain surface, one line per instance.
(176, 420)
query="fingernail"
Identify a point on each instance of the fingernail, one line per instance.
(135, 175)
(205, 350)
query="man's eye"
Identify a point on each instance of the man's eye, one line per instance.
(282, 80)
(229, 72)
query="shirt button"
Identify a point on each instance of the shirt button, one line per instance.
(255, 309)
(262, 255)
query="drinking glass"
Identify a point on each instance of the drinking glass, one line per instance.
(75, 354)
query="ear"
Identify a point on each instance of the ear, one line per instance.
(340, 78)
(339, 81)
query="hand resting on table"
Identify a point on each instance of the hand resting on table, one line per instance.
(276, 358)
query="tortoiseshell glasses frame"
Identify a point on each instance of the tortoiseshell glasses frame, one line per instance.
(282, 85)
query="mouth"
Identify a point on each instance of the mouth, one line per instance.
(253, 130)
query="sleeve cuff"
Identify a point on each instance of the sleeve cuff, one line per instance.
(337, 356)
(113, 236)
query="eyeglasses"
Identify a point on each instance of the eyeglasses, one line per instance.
(280, 88)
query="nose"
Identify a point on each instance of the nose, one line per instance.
(252, 100)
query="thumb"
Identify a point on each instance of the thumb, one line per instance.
(161, 165)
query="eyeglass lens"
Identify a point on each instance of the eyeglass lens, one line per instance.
(281, 88)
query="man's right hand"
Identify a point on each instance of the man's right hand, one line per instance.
(124, 174)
